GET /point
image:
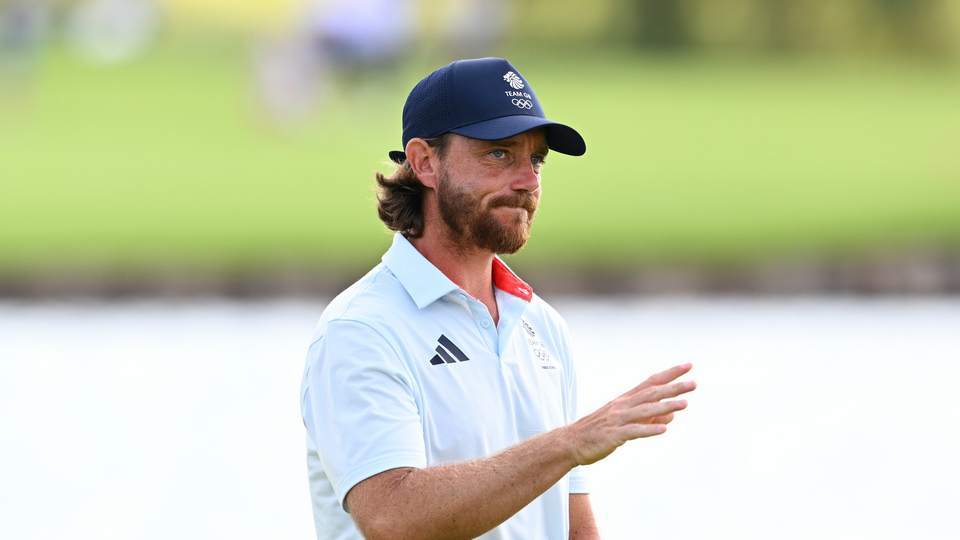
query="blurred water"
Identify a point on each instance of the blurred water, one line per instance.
(815, 418)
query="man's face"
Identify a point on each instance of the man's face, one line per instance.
(488, 191)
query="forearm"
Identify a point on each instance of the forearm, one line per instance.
(467, 499)
(464, 499)
(583, 526)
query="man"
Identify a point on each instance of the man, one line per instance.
(439, 395)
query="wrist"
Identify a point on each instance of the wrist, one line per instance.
(563, 442)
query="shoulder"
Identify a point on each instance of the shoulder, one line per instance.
(373, 300)
(544, 315)
(357, 330)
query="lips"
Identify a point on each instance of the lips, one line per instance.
(525, 200)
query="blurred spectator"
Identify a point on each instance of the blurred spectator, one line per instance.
(24, 24)
(359, 35)
(24, 27)
(111, 31)
(290, 78)
(473, 28)
(341, 41)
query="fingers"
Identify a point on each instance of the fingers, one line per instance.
(647, 426)
(658, 393)
(664, 419)
(652, 413)
(639, 431)
(664, 377)
(641, 412)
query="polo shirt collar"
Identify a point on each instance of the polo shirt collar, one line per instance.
(426, 284)
(422, 280)
(508, 282)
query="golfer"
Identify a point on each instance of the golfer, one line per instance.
(439, 393)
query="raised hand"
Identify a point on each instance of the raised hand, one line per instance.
(640, 412)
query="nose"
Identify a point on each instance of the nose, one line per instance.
(528, 177)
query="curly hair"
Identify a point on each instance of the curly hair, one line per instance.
(400, 195)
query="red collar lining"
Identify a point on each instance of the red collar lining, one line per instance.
(508, 282)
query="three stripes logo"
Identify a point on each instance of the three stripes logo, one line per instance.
(447, 352)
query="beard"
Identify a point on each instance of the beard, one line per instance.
(473, 224)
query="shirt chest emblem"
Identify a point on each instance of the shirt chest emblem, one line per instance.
(538, 348)
(447, 352)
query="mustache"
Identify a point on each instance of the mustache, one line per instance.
(524, 199)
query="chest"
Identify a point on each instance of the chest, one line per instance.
(472, 401)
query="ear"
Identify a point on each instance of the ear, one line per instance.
(424, 162)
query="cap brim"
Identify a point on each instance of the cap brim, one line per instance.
(560, 138)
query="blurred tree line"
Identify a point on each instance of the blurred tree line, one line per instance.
(916, 26)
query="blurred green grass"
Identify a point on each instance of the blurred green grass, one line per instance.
(691, 159)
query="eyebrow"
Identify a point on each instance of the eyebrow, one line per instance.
(543, 149)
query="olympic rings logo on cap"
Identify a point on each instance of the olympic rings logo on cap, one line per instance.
(523, 103)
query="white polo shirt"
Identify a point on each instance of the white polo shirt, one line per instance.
(406, 369)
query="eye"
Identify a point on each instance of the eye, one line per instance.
(498, 153)
(537, 160)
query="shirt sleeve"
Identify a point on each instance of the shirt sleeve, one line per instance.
(359, 406)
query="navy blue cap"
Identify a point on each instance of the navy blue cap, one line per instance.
(485, 99)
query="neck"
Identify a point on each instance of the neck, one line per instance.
(470, 268)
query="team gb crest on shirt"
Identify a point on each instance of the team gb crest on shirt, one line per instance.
(515, 81)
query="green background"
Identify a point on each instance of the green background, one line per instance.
(693, 158)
